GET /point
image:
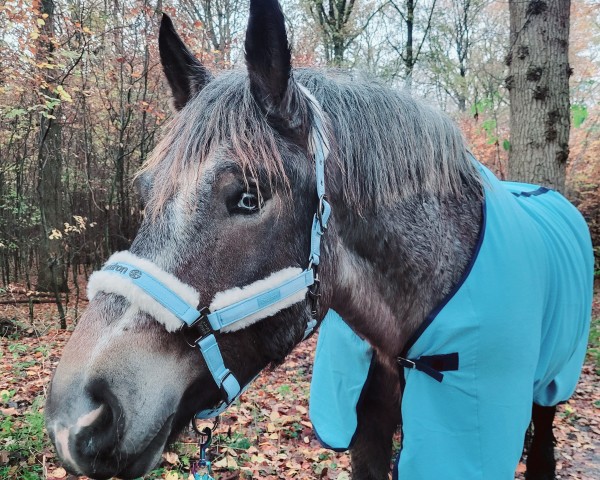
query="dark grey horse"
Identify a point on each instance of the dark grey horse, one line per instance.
(230, 194)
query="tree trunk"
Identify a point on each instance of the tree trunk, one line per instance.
(335, 21)
(463, 22)
(410, 51)
(51, 274)
(338, 51)
(538, 83)
(409, 59)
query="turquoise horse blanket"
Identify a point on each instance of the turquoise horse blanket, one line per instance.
(513, 332)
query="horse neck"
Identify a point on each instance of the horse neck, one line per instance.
(392, 267)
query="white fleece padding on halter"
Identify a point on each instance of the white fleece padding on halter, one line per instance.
(105, 281)
(234, 295)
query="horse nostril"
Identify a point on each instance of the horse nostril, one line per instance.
(98, 432)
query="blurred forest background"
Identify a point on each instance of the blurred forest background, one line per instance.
(83, 101)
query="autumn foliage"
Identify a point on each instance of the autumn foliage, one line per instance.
(91, 69)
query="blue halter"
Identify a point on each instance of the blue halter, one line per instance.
(208, 323)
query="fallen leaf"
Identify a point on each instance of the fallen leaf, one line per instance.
(226, 462)
(171, 457)
(58, 473)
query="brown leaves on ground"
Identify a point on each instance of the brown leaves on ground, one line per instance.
(267, 435)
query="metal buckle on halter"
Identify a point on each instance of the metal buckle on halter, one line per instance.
(320, 211)
(313, 290)
(224, 393)
(202, 324)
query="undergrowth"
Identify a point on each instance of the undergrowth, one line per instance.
(594, 343)
(23, 440)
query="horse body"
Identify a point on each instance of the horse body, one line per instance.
(512, 332)
(230, 196)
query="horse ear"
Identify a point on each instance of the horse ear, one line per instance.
(186, 75)
(269, 62)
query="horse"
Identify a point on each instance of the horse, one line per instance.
(278, 196)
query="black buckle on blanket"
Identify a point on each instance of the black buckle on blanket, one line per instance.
(406, 363)
(432, 365)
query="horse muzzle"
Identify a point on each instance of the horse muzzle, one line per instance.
(113, 397)
(89, 432)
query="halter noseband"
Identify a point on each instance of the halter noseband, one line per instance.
(207, 323)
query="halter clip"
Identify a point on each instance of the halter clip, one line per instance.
(202, 470)
(202, 325)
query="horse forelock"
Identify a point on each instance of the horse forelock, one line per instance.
(388, 144)
(223, 115)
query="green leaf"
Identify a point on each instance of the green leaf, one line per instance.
(580, 113)
(489, 126)
(506, 144)
(50, 104)
(63, 94)
(482, 106)
(15, 112)
(70, 54)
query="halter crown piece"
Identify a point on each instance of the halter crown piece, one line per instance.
(124, 270)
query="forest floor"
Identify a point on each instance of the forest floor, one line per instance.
(266, 435)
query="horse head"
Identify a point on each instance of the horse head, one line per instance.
(230, 199)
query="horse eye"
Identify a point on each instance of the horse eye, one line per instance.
(248, 203)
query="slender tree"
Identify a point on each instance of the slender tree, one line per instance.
(410, 50)
(220, 22)
(464, 12)
(538, 82)
(52, 274)
(335, 21)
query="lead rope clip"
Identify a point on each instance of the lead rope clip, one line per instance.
(202, 470)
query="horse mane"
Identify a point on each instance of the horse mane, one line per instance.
(388, 144)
